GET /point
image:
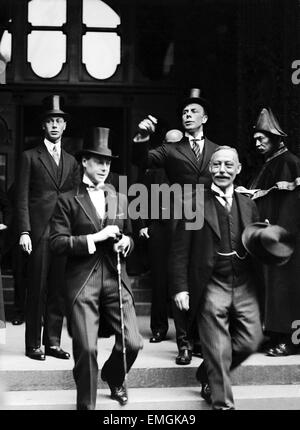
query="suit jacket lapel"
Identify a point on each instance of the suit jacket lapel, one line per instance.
(87, 206)
(210, 213)
(207, 153)
(112, 202)
(245, 210)
(184, 148)
(44, 158)
(65, 166)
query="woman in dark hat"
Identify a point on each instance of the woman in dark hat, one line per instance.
(276, 191)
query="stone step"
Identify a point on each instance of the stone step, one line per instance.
(265, 397)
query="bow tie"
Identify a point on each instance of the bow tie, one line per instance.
(95, 187)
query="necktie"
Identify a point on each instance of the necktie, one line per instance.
(227, 204)
(225, 198)
(55, 155)
(196, 148)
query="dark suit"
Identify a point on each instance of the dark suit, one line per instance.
(225, 307)
(92, 289)
(181, 166)
(40, 184)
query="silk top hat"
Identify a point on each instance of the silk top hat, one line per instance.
(266, 121)
(195, 97)
(53, 107)
(271, 244)
(96, 143)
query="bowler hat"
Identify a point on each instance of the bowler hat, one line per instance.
(267, 122)
(271, 244)
(53, 107)
(96, 143)
(195, 96)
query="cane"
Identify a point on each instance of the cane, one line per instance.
(122, 319)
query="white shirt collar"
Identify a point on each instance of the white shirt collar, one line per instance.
(199, 135)
(50, 145)
(228, 192)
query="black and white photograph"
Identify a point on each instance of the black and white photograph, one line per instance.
(149, 207)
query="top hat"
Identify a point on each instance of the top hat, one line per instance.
(271, 244)
(267, 122)
(96, 143)
(195, 97)
(53, 107)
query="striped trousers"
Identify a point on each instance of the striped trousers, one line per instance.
(100, 296)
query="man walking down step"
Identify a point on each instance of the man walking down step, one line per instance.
(185, 162)
(90, 235)
(213, 278)
(46, 171)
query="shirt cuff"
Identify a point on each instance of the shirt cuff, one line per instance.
(91, 244)
(138, 138)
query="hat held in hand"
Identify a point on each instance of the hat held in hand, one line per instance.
(271, 244)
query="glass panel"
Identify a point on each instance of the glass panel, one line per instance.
(5, 55)
(47, 12)
(98, 14)
(101, 54)
(46, 52)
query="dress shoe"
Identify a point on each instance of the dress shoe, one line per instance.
(281, 350)
(197, 352)
(35, 354)
(184, 357)
(119, 394)
(206, 393)
(157, 337)
(17, 321)
(57, 352)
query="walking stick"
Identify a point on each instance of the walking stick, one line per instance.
(122, 319)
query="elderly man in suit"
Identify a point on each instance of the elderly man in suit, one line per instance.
(46, 172)
(185, 162)
(90, 236)
(212, 277)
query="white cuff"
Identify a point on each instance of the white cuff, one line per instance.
(91, 244)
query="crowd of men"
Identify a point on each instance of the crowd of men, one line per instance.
(232, 283)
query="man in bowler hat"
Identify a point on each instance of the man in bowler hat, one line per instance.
(212, 277)
(46, 172)
(185, 162)
(90, 225)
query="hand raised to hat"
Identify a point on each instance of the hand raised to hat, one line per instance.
(147, 126)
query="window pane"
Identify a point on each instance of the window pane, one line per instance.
(98, 14)
(47, 12)
(101, 54)
(46, 52)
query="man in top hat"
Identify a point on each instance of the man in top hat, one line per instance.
(46, 172)
(276, 192)
(90, 234)
(212, 276)
(185, 162)
(156, 233)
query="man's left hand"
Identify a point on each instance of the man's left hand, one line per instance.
(123, 245)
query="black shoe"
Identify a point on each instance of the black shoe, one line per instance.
(35, 354)
(17, 321)
(197, 351)
(281, 350)
(184, 357)
(119, 394)
(57, 352)
(206, 393)
(157, 337)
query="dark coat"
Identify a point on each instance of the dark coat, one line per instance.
(194, 252)
(177, 159)
(38, 189)
(74, 218)
(279, 201)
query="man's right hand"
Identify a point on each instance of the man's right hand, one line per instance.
(144, 233)
(25, 243)
(147, 127)
(110, 231)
